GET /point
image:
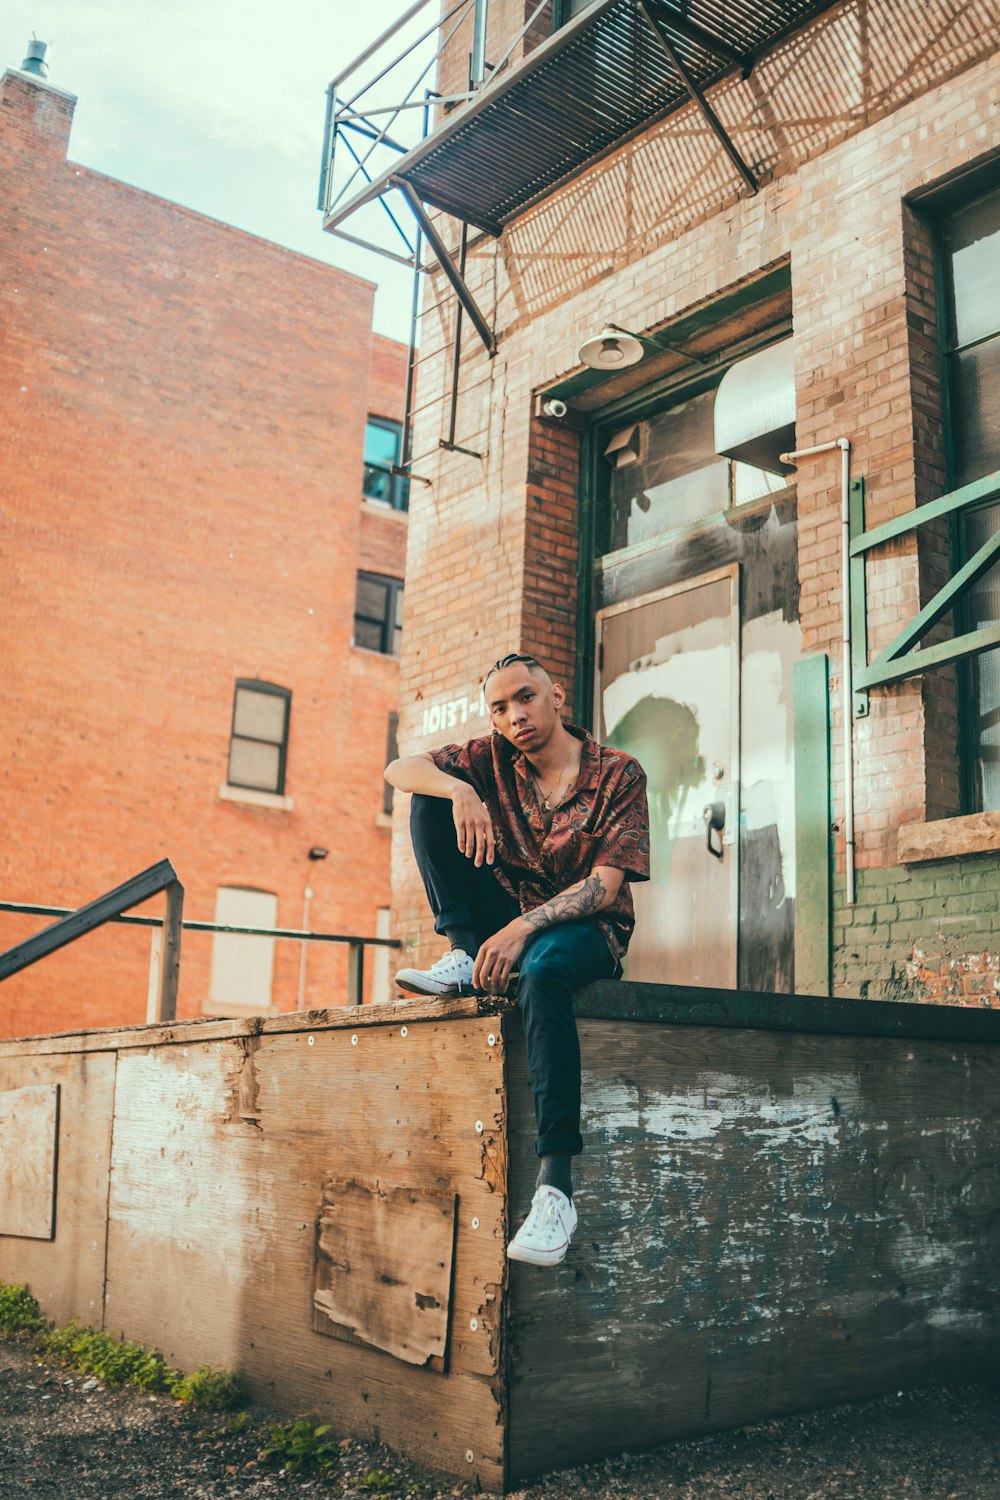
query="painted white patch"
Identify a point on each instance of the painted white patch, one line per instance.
(720, 1102)
(770, 647)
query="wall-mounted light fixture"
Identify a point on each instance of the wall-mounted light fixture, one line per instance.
(613, 348)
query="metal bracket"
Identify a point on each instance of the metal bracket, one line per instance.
(714, 123)
(899, 659)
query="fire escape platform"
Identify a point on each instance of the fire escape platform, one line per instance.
(595, 82)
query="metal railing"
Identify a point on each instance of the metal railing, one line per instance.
(112, 906)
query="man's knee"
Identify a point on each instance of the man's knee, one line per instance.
(545, 969)
(429, 816)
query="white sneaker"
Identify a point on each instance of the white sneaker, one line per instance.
(544, 1237)
(451, 975)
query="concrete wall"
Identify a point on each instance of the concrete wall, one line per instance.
(180, 504)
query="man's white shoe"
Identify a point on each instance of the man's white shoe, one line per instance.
(451, 975)
(544, 1237)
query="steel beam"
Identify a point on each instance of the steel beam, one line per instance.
(714, 123)
(132, 893)
(437, 244)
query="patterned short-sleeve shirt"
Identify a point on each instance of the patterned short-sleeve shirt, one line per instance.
(602, 821)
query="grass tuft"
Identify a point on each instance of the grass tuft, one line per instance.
(300, 1447)
(19, 1312)
(115, 1362)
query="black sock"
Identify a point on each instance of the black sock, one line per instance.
(556, 1171)
(464, 938)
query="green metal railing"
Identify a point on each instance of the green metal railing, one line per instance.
(903, 657)
(112, 906)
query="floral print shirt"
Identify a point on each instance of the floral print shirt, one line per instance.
(603, 820)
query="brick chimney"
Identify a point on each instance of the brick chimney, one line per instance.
(34, 115)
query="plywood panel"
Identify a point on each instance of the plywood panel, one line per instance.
(66, 1273)
(29, 1124)
(767, 1222)
(384, 1260)
(220, 1155)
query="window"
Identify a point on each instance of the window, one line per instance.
(383, 453)
(666, 473)
(391, 753)
(242, 965)
(258, 746)
(970, 264)
(378, 613)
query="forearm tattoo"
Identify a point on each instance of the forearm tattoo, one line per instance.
(583, 900)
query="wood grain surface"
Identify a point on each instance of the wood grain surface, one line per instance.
(767, 1222)
(29, 1125)
(66, 1273)
(221, 1152)
(384, 1259)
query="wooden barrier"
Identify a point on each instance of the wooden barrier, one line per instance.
(783, 1203)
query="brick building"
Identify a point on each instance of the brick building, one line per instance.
(792, 225)
(202, 555)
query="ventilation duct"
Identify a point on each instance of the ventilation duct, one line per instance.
(755, 409)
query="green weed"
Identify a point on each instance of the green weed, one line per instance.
(113, 1363)
(379, 1481)
(207, 1389)
(300, 1446)
(19, 1312)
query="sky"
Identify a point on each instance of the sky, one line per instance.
(216, 104)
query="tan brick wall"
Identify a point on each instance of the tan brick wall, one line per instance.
(180, 472)
(870, 103)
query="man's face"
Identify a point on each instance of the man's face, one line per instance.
(524, 706)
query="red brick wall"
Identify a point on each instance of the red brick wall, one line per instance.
(180, 473)
(843, 121)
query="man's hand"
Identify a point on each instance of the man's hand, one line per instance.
(472, 823)
(499, 955)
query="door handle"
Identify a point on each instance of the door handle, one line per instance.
(715, 822)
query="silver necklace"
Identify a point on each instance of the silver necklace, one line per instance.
(549, 797)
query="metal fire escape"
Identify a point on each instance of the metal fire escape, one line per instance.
(531, 119)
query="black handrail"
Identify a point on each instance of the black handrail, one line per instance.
(110, 908)
(107, 908)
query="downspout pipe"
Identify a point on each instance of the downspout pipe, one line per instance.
(847, 674)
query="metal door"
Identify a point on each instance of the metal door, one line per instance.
(668, 693)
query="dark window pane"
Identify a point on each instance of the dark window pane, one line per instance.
(377, 484)
(975, 411)
(973, 244)
(371, 597)
(368, 634)
(254, 764)
(679, 479)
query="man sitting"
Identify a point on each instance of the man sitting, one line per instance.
(527, 871)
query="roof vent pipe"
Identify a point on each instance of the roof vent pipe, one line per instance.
(34, 62)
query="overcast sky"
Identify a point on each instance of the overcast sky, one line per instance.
(216, 104)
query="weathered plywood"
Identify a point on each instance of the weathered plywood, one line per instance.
(221, 1151)
(185, 1033)
(66, 1272)
(29, 1126)
(384, 1260)
(767, 1222)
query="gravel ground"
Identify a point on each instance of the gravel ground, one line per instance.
(66, 1436)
